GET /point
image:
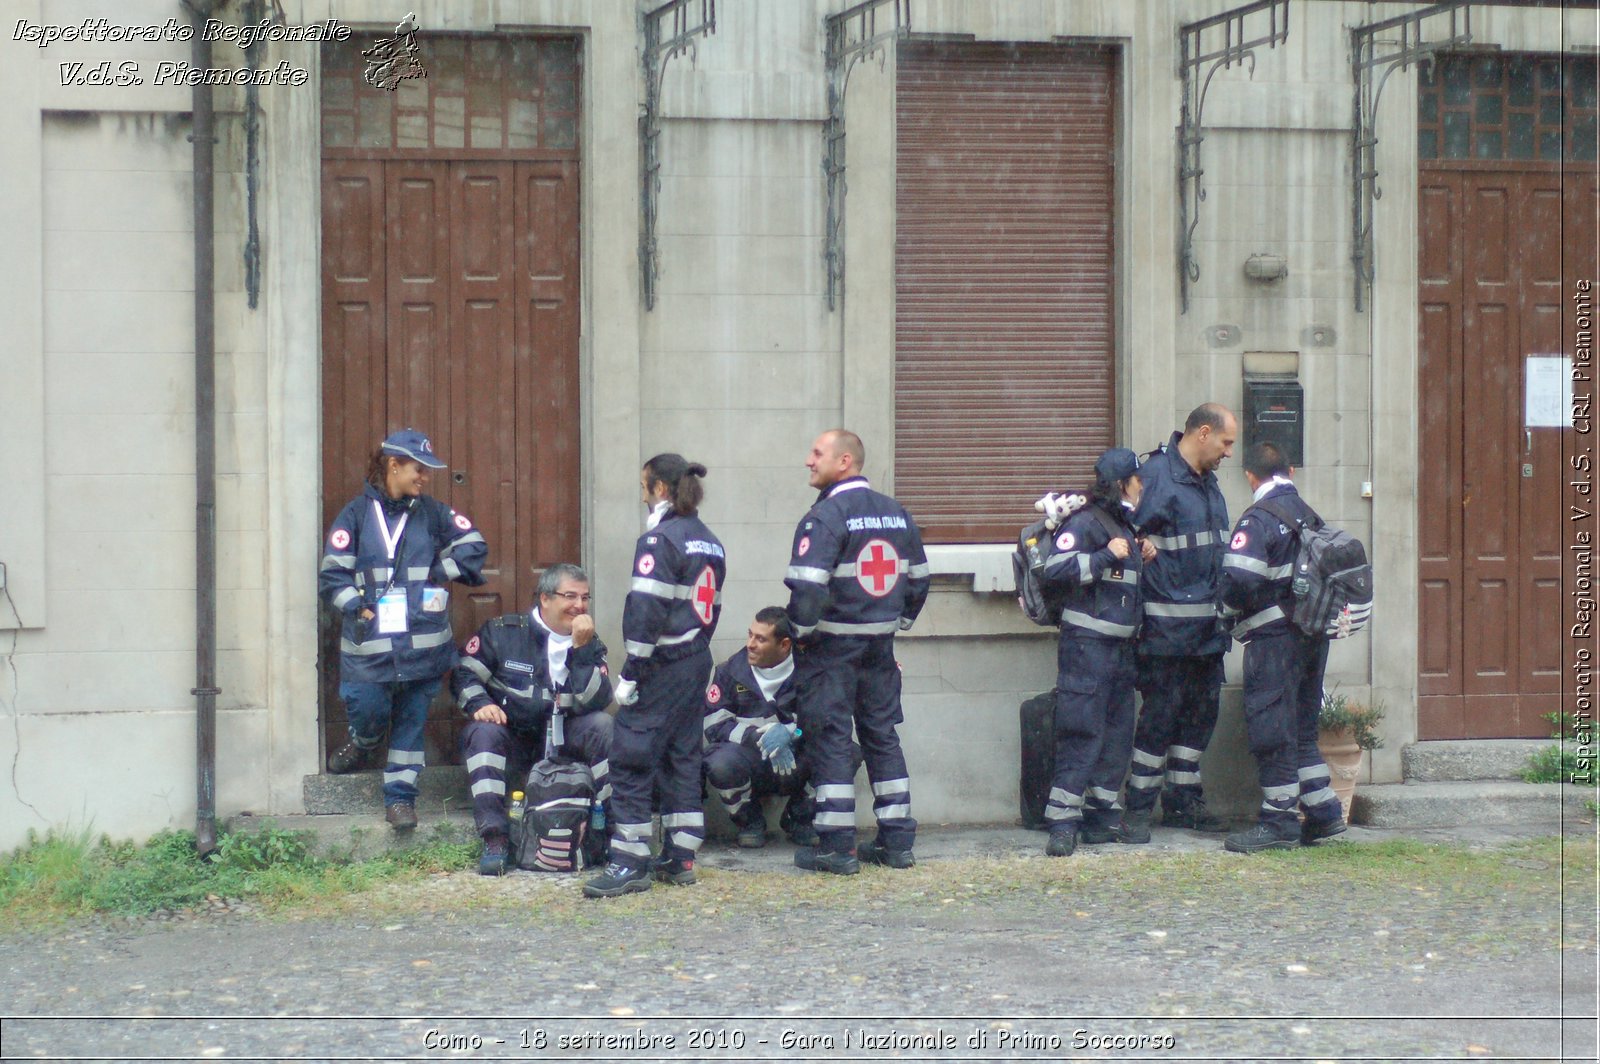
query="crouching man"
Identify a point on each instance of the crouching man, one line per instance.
(532, 685)
(751, 750)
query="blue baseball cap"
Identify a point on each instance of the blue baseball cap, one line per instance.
(409, 443)
(1116, 464)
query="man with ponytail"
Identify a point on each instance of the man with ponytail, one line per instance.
(673, 604)
(857, 575)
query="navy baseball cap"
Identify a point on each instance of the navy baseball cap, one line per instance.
(409, 443)
(1118, 463)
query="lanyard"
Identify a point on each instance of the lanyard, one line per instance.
(391, 543)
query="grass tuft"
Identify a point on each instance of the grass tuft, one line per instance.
(72, 874)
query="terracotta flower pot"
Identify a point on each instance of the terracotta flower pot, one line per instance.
(1343, 755)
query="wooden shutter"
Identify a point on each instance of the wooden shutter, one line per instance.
(1003, 280)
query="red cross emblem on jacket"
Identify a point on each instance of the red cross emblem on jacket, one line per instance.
(705, 595)
(878, 567)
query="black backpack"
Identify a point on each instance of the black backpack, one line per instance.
(1332, 578)
(1041, 604)
(549, 838)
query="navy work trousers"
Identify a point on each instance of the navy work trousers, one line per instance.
(842, 681)
(1178, 715)
(658, 739)
(1283, 674)
(1094, 728)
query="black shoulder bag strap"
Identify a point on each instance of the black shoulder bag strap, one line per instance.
(1268, 505)
(1109, 523)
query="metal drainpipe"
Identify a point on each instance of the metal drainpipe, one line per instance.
(205, 446)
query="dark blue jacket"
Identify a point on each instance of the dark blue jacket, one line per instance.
(1185, 517)
(437, 546)
(1258, 570)
(675, 599)
(1101, 597)
(735, 707)
(507, 664)
(857, 567)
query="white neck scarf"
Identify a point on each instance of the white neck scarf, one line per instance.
(556, 648)
(1262, 491)
(770, 679)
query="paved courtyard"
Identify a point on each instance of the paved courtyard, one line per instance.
(986, 950)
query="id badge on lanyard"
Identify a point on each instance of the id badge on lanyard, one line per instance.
(392, 618)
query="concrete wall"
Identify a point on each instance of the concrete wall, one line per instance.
(739, 366)
(99, 402)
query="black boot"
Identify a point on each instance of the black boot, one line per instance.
(679, 871)
(1063, 839)
(1191, 813)
(617, 880)
(1097, 830)
(796, 821)
(1314, 831)
(752, 825)
(1135, 827)
(876, 852)
(1264, 837)
(350, 758)
(814, 860)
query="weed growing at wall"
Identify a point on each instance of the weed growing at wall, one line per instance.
(63, 874)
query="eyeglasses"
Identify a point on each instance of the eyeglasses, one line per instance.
(571, 596)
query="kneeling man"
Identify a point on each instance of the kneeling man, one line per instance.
(751, 749)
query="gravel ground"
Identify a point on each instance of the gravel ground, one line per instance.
(986, 950)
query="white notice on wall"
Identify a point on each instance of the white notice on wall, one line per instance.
(1549, 392)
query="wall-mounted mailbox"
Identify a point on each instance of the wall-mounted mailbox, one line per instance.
(1274, 409)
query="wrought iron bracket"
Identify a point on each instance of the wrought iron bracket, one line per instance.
(663, 39)
(852, 35)
(1452, 26)
(1207, 46)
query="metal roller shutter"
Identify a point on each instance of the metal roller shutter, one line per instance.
(1003, 282)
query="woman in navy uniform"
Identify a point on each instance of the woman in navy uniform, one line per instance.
(388, 556)
(1095, 559)
(674, 601)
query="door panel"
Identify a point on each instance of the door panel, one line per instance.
(547, 326)
(482, 359)
(1439, 540)
(1490, 529)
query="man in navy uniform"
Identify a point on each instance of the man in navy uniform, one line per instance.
(857, 575)
(1283, 666)
(1184, 518)
(751, 749)
(531, 684)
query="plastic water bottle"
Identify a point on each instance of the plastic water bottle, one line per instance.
(1035, 559)
(519, 803)
(1301, 585)
(597, 818)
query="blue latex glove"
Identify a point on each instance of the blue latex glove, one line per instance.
(783, 761)
(775, 737)
(777, 746)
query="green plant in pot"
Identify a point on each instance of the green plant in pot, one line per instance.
(1346, 731)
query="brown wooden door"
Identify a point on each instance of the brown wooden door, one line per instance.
(450, 304)
(1500, 250)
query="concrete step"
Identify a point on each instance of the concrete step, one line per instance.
(363, 836)
(1426, 805)
(441, 788)
(442, 791)
(1469, 759)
